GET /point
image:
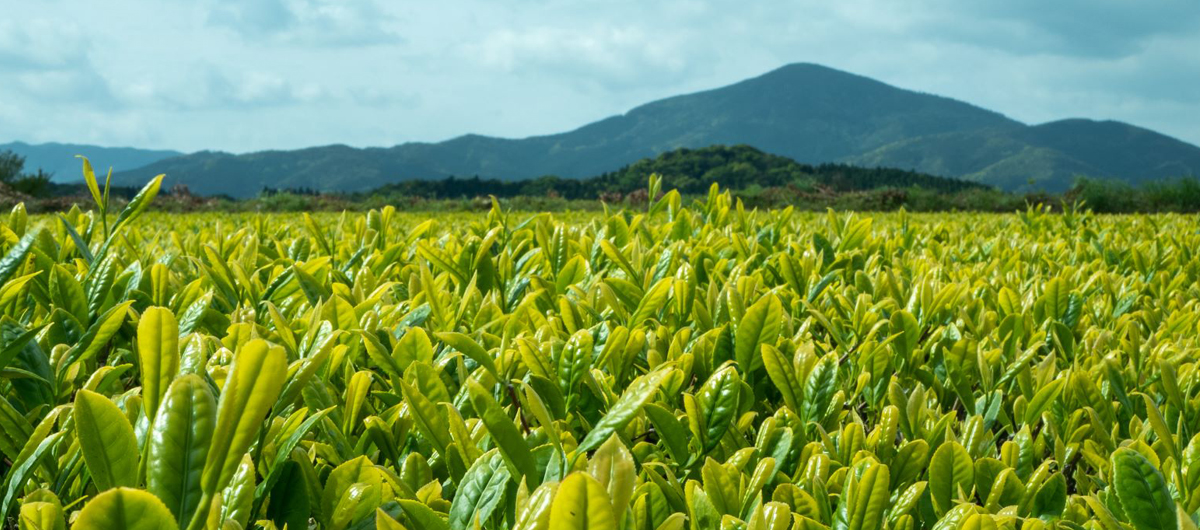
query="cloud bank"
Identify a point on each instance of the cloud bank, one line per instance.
(245, 76)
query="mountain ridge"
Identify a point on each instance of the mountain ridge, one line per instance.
(59, 158)
(810, 113)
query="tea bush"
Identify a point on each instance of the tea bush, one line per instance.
(680, 366)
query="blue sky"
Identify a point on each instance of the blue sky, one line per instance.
(249, 75)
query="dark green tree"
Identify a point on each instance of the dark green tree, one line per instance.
(12, 173)
(11, 165)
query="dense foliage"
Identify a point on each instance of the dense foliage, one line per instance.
(1098, 195)
(1107, 195)
(758, 179)
(14, 176)
(691, 171)
(683, 366)
(742, 167)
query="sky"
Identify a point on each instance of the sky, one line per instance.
(248, 75)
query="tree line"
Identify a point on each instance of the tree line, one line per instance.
(759, 179)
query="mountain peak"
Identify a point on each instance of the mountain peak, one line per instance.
(810, 69)
(813, 74)
(808, 112)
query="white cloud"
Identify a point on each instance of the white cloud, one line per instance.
(208, 88)
(1089, 28)
(615, 56)
(249, 75)
(41, 44)
(306, 22)
(49, 62)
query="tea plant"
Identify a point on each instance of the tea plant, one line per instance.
(690, 366)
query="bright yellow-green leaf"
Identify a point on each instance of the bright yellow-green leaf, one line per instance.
(537, 511)
(950, 471)
(41, 515)
(613, 466)
(158, 355)
(107, 440)
(870, 500)
(125, 509)
(582, 504)
(254, 382)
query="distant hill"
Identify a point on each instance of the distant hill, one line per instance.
(60, 160)
(742, 167)
(738, 168)
(1046, 156)
(810, 113)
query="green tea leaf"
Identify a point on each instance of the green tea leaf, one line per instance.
(254, 382)
(107, 441)
(759, 326)
(582, 504)
(471, 349)
(950, 470)
(178, 445)
(422, 516)
(504, 433)
(629, 405)
(138, 203)
(125, 509)
(1142, 491)
(158, 353)
(1051, 498)
(480, 493)
(871, 499)
(717, 405)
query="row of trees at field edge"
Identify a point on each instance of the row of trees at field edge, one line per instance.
(759, 179)
(691, 171)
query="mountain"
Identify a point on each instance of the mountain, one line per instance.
(810, 113)
(1046, 156)
(60, 160)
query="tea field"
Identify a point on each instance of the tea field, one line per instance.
(689, 365)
